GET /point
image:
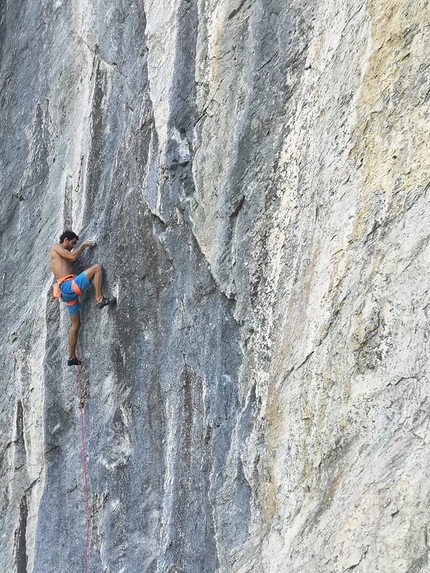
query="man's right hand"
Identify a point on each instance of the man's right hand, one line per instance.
(89, 243)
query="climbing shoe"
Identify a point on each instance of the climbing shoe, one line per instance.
(105, 301)
(73, 362)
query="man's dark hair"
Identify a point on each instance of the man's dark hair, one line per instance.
(70, 235)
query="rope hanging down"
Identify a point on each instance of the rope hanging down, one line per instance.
(84, 467)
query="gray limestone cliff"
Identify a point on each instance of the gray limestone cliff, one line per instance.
(256, 173)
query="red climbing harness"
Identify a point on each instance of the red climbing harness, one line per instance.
(56, 291)
(56, 287)
(75, 288)
(77, 292)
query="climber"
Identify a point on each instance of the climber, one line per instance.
(68, 287)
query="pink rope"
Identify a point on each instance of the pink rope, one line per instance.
(84, 469)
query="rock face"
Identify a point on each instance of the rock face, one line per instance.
(256, 176)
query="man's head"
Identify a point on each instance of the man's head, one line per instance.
(68, 240)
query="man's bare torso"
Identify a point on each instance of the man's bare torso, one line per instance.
(59, 265)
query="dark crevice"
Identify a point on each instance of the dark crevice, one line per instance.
(236, 10)
(20, 538)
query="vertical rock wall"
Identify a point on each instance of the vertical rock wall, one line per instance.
(256, 175)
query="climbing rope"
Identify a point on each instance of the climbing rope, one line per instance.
(84, 467)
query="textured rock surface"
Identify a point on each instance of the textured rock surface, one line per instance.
(256, 175)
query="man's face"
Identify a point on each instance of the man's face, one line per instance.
(69, 245)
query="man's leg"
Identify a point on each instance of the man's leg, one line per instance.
(95, 275)
(75, 319)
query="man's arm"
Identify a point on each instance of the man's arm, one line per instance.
(72, 255)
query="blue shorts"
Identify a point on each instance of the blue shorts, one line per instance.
(69, 296)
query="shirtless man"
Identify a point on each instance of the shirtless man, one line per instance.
(61, 257)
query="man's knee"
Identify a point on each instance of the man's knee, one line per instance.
(75, 322)
(92, 271)
(95, 269)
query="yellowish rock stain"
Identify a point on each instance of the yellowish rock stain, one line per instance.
(391, 131)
